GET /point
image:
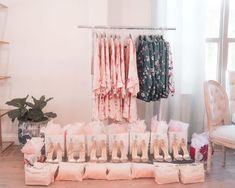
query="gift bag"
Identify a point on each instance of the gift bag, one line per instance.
(160, 127)
(77, 141)
(157, 136)
(54, 141)
(33, 146)
(192, 173)
(94, 128)
(52, 129)
(95, 171)
(199, 146)
(177, 130)
(142, 170)
(138, 126)
(32, 149)
(159, 131)
(139, 138)
(70, 172)
(116, 128)
(40, 174)
(166, 173)
(75, 129)
(54, 144)
(30, 159)
(119, 171)
(122, 137)
(98, 139)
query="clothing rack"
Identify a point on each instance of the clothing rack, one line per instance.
(105, 27)
(125, 27)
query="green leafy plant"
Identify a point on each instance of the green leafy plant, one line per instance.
(29, 111)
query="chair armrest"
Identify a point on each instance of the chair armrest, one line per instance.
(233, 118)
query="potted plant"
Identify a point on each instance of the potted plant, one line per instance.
(30, 116)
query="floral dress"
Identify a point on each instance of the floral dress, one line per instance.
(155, 68)
(144, 69)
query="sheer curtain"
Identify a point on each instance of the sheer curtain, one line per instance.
(188, 48)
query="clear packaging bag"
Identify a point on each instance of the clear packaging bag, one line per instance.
(177, 131)
(139, 138)
(97, 139)
(77, 142)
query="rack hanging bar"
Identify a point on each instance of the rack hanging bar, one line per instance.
(3, 6)
(125, 27)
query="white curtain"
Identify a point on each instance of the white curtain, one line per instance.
(188, 48)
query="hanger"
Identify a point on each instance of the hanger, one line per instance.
(100, 35)
(162, 33)
(104, 34)
(116, 35)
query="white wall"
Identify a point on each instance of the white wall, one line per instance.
(49, 56)
(129, 12)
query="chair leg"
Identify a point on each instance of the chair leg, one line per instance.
(223, 156)
(209, 155)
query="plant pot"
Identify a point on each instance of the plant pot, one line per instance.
(27, 130)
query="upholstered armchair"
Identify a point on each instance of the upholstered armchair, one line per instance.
(217, 110)
(231, 93)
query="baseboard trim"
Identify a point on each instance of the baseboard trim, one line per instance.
(10, 137)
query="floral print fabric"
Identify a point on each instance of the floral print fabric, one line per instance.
(115, 79)
(155, 68)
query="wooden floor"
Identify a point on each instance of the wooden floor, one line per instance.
(12, 175)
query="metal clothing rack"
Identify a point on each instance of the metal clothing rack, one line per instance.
(105, 27)
(125, 27)
(94, 27)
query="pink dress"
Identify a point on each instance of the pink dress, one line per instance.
(122, 65)
(107, 66)
(132, 82)
(103, 80)
(118, 63)
(102, 65)
(113, 78)
(107, 77)
(96, 79)
(118, 95)
(133, 85)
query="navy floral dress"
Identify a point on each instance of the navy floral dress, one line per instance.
(155, 68)
(144, 69)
